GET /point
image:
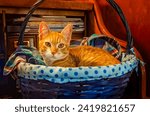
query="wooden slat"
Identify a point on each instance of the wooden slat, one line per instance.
(5, 36)
(14, 10)
(54, 4)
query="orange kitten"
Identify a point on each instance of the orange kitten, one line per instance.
(55, 50)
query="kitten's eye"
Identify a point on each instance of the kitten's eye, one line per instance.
(61, 45)
(48, 44)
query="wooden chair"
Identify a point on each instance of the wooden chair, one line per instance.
(103, 30)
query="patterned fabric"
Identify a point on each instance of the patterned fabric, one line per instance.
(77, 74)
(22, 54)
(104, 42)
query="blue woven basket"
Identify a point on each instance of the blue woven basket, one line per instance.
(39, 81)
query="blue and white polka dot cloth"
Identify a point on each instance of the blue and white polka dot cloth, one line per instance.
(77, 74)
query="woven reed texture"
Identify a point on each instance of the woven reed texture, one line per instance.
(97, 89)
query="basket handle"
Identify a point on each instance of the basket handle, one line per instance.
(29, 14)
(124, 21)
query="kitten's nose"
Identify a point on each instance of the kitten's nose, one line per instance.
(53, 53)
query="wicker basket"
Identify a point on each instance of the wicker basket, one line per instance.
(38, 81)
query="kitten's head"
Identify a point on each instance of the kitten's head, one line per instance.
(54, 46)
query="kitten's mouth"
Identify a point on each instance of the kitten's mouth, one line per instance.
(53, 56)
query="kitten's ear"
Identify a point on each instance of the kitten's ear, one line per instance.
(43, 29)
(67, 32)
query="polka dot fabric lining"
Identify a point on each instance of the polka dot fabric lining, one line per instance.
(77, 74)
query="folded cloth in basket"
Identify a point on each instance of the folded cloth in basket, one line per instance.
(22, 54)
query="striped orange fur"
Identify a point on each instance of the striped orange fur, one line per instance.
(56, 51)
